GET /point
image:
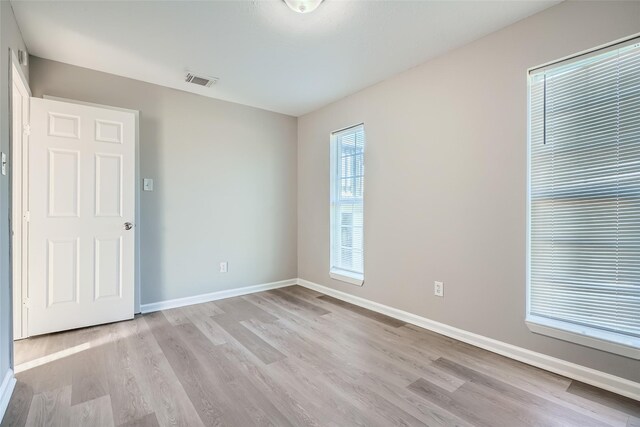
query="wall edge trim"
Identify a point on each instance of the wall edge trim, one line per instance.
(6, 390)
(213, 296)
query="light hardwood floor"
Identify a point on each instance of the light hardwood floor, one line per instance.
(288, 357)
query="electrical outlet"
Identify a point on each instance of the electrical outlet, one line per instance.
(438, 289)
(224, 267)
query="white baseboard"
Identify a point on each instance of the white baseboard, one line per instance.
(596, 378)
(6, 389)
(213, 296)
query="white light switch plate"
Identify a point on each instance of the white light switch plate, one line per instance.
(438, 289)
(4, 164)
(147, 184)
(224, 267)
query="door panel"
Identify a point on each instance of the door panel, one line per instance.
(108, 262)
(109, 131)
(64, 125)
(64, 183)
(82, 191)
(63, 271)
(108, 185)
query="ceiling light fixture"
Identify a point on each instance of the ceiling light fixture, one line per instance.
(303, 6)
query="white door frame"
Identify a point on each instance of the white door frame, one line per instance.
(18, 187)
(138, 184)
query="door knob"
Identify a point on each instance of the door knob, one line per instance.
(128, 226)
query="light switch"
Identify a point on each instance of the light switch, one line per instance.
(4, 164)
(147, 184)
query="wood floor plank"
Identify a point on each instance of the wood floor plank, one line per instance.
(128, 403)
(512, 367)
(240, 309)
(288, 306)
(157, 379)
(248, 339)
(233, 383)
(361, 349)
(291, 343)
(50, 408)
(370, 400)
(89, 376)
(479, 413)
(29, 349)
(622, 404)
(300, 304)
(180, 315)
(149, 420)
(402, 397)
(197, 381)
(364, 312)
(302, 292)
(277, 390)
(343, 379)
(312, 385)
(317, 363)
(533, 380)
(55, 373)
(201, 317)
(532, 413)
(544, 407)
(496, 364)
(18, 409)
(177, 316)
(96, 412)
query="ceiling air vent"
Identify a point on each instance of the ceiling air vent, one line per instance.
(201, 80)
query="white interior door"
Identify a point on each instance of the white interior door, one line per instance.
(81, 209)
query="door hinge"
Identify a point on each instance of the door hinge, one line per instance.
(26, 130)
(27, 216)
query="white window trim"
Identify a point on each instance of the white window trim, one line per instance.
(610, 342)
(347, 276)
(350, 277)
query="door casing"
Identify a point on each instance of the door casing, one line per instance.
(18, 174)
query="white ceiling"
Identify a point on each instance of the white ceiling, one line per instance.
(265, 54)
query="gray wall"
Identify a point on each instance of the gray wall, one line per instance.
(10, 38)
(445, 191)
(224, 177)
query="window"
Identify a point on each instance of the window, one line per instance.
(584, 200)
(347, 209)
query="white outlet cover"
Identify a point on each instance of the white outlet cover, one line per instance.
(224, 267)
(438, 289)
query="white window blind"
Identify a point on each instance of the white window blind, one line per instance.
(347, 209)
(584, 265)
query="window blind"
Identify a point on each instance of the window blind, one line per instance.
(347, 251)
(585, 192)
